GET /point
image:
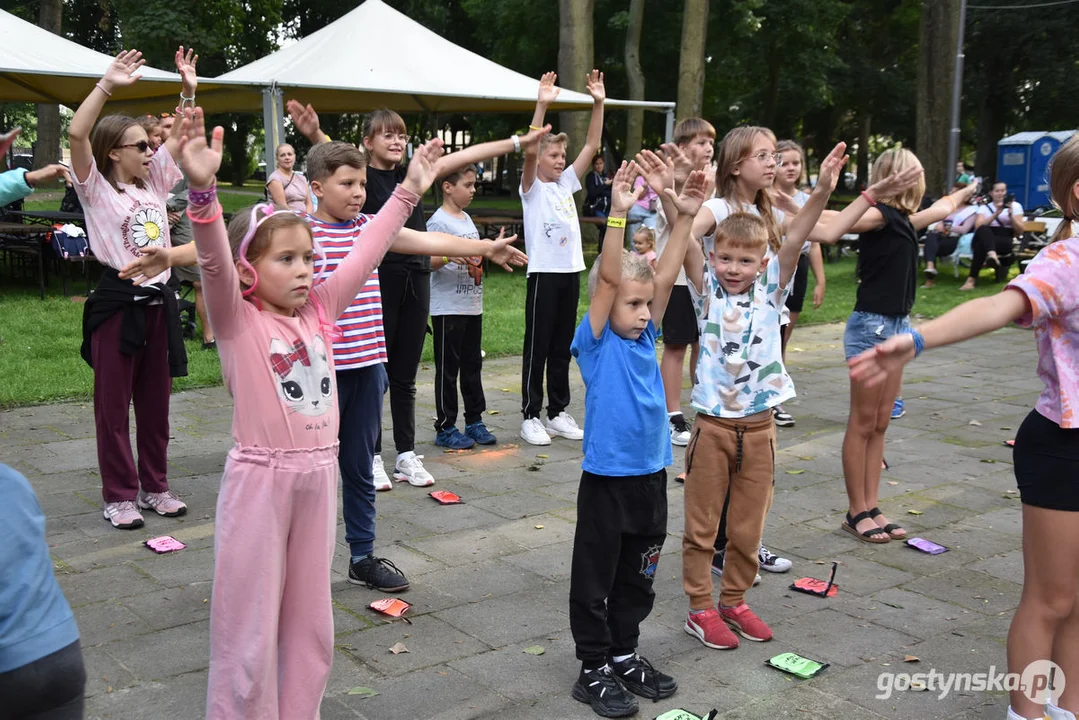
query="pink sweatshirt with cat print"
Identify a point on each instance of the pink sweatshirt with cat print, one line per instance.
(279, 369)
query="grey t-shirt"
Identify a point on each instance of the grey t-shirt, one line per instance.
(454, 290)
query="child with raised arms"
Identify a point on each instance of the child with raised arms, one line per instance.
(622, 500)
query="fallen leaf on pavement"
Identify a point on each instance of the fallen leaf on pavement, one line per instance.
(535, 650)
(398, 648)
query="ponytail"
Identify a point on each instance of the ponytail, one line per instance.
(1063, 174)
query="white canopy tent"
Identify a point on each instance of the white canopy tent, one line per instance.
(356, 64)
(41, 67)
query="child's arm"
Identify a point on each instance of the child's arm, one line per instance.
(816, 264)
(594, 83)
(968, 320)
(119, 74)
(437, 244)
(860, 216)
(941, 208)
(348, 279)
(484, 151)
(220, 282)
(547, 94)
(799, 227)
(154, 260)
(185, 65)
(306, 121)
(610, 259)
(687, 205)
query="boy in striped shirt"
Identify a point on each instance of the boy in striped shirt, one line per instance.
(337, 173)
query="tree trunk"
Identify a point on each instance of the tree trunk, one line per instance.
(574, 63)
(47, 150)
(938, 34)
(863, 152)
(691, 62)
(635, 117)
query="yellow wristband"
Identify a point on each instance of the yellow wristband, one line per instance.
(533, 127)
(616, 222)
(445, 260)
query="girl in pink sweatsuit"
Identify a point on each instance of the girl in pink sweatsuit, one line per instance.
(271, 623)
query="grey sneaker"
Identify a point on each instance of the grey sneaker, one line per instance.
(165, 503)
(123, 515)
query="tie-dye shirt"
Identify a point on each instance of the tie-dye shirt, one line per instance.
(740, 369)
(1049, 283)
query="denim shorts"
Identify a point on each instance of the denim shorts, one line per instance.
(866, 329)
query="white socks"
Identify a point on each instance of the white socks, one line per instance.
(1055, 713)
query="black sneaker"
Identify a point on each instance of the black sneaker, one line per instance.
(640, 678)
(378, 574)
(600, 689)
(782, 417)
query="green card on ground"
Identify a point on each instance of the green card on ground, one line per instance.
(796, 665)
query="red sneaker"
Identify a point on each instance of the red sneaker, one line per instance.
(708, 627)
(743, 621)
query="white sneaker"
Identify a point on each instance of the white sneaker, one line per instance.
(532, 432)
(565, 426)
(410, 468)
(771, 562)
(680, 430)
(378, 470)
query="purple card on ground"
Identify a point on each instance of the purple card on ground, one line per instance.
(926, 546)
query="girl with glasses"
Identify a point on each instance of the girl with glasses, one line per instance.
(131, 332)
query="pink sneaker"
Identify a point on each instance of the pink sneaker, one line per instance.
(123, 515)
(163, 503)
(708, 627)
(745, 623)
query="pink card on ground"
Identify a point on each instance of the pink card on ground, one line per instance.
(164, 544)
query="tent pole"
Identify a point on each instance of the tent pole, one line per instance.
(273, 123)
(669, 132)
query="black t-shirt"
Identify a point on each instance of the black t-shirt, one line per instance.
(380, 185)
(889, 265)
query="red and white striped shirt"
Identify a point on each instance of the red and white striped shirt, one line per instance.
(364, 341)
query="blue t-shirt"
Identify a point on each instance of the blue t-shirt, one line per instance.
(35, 619)
(625, 412)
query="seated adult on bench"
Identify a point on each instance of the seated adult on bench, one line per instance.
(997, 223)
(943, 237)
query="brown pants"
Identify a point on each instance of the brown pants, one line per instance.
(726, 454)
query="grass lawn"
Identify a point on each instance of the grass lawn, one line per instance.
(39, 340)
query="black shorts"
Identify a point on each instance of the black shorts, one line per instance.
(680, 319)
(1046, 459)
(797, 296)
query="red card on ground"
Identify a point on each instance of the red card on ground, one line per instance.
(394, 607)
(815, 586)
(445, 497)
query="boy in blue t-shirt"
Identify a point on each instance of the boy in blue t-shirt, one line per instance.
(622, 500)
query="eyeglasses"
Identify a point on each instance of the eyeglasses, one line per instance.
(142, 146)
(762, 157)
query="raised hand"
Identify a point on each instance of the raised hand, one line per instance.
(121, 71)
(501, 251)
(199, 159)
(895, 183)
(683, 166)
(623, 194)
(47, 174)
(832, 166)
(304, 118)
(532, 137)
(547, 89)
(7, 139)
(657, 172)
(422, 170)
(593, 83)
(873, 366)
(693, 194)
(152, 261)
(185, 65)
(783, 201)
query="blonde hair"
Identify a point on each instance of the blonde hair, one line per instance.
(743, 231)
(260, 243)
(736, 147)
(1063, 174)
(891, 162)
(550, 139)
(634, 267)
(647, 232)
(690, 128)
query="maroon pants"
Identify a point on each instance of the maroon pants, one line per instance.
(119, 379)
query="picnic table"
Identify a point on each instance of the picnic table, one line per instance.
(26, 239)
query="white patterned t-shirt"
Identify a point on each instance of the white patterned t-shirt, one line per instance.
(740, 370)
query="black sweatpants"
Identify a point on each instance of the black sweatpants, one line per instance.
(938, 245)
(50, 688)
(406, 300)
(550, 321)
(621, 526)
(457, 349)
(987, 238)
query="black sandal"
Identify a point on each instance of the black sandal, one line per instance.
(866, 536)
(890, 528)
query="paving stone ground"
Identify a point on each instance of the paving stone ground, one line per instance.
(490, 577)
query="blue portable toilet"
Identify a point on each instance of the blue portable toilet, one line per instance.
(1022, 162)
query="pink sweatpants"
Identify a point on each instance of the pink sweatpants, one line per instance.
(271, 622)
